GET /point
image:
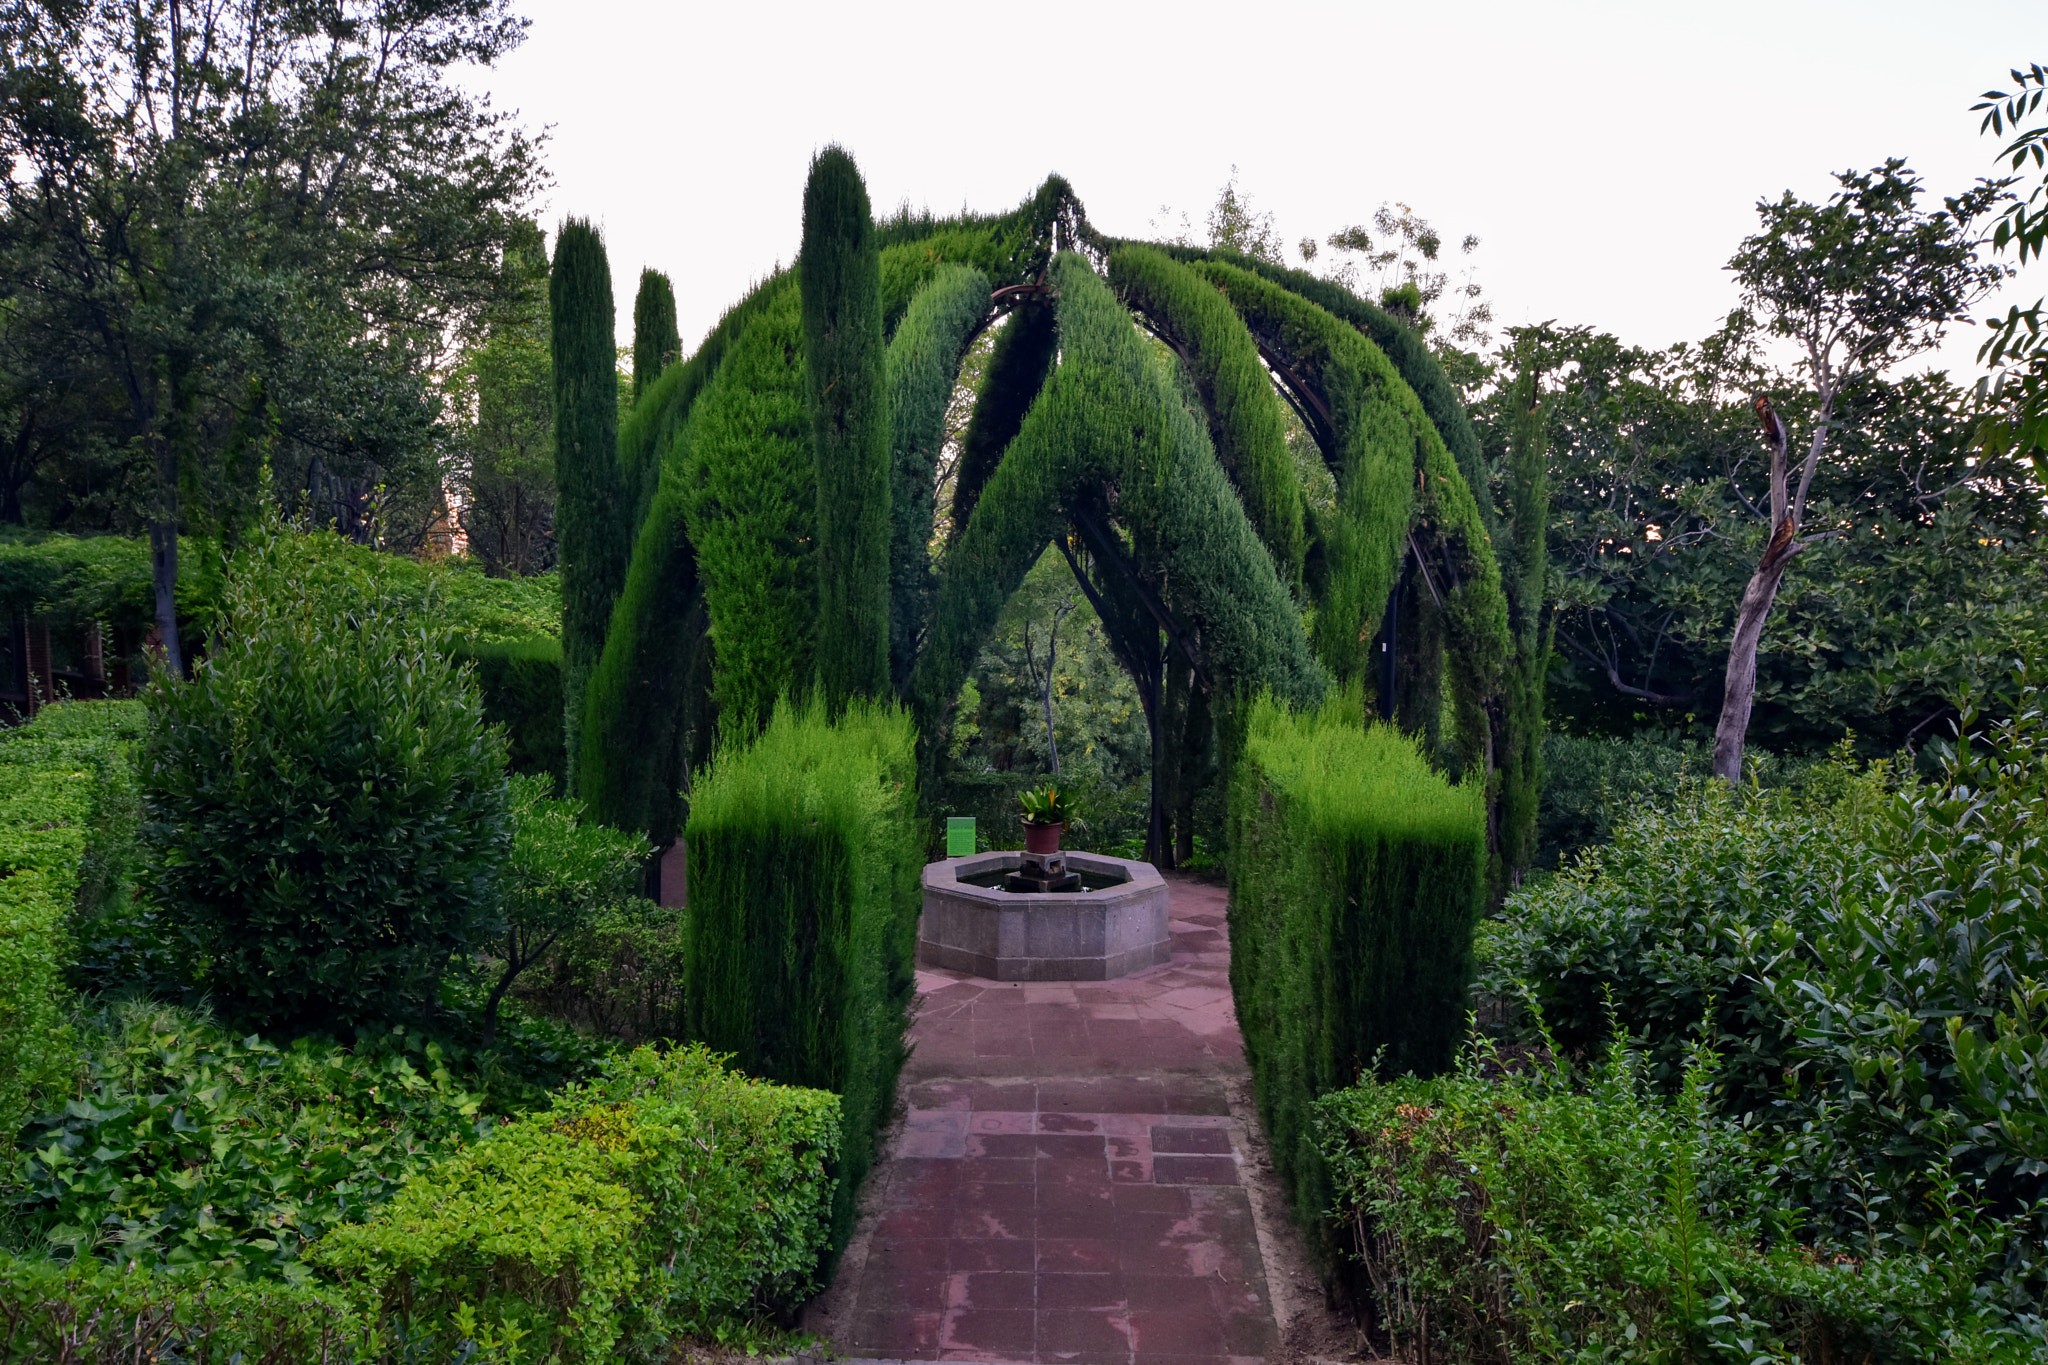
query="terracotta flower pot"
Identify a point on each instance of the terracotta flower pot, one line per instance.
(1042, 838)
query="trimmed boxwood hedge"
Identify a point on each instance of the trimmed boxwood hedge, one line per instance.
(1355, 881)
(805, 849)
(67, 810)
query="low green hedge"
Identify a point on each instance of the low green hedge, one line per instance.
(86, 1313)
(67, 812)
(672, 1199)
(1355, 880)
(805, 849)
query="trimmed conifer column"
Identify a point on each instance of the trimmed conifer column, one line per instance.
(656, 343)
(840, 275)
(591, 511)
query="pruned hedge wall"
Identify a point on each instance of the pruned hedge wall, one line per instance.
(805, 849)
(67, 809)
(1355, 880)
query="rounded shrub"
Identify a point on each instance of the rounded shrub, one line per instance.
(324, 800)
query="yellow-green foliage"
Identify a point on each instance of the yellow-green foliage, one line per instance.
(1111, 416)
(805, 849)
(1222, 358)
(66, 796)
(752, 490)
(1355, 878)
(670, 1199)
(924, 363)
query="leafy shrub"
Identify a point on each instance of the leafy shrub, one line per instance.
(670, 1199)
(1592, 785)
(563, 872)
(85, 1313)
(1355, 876)
(1863, 954)
(1534, 1216)
(740, 1195)
(188, 1147)
(531, 1231)
(67, 811)
(324, 800)
(619, 975)
(1679, 920)
(805, 850)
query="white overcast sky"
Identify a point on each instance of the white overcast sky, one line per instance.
(1609, 155)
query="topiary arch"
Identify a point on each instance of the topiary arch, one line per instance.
(777, 523)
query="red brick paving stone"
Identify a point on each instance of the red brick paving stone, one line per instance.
(993, 1290)
(1063, 1331)
(1016, 1215)
(1194, 1170)
(1213, 1141)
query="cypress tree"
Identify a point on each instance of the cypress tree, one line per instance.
(656, 343)
(591, 511)
(841, 279)
(1528, 488)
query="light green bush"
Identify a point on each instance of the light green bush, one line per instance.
(672, 1199)
(805, 850)
(1355, 878)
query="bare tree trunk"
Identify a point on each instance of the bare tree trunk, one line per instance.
(1738, 695)
(1739, 690)
(163, 554)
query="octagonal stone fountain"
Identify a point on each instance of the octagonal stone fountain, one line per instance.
(1113, 924)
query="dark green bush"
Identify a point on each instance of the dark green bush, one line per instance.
(324, 801)
(805, 849)
(1542, 1215)
(521, 684)
(1355, 877)
(618, 976)
(67, 817)
(672, 1199)
(564, 871)
(839, 272)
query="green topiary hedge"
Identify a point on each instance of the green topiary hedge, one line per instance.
(67, 797)
(924, 365)
(521, 684)
(805, 849)
(1355, 880)
(750, 486)
(1222, 358)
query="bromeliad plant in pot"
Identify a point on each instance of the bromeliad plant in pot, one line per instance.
(1046, 814)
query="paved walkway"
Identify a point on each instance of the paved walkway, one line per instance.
(1065, 1183)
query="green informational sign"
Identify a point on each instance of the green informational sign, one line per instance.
(959, 835)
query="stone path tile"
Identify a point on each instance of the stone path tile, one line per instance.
(1065, 1185)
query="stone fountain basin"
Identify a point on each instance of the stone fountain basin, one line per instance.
(1043, 936)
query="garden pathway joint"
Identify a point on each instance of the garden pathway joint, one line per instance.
(1065, 1181)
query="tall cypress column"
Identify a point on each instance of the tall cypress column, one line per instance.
(591, 507)
(841, 278)
(656, 343)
